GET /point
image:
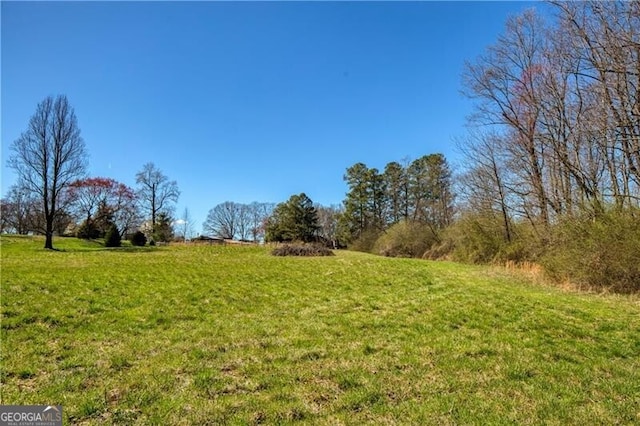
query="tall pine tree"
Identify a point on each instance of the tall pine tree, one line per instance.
(294, 220)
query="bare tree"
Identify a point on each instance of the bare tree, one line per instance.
(230, 220)
(328, 220)
(19, 210)
(48, 156)
(155, 191)
(222, 220)
(184, 225)
(506, 81)
(485, 185)
(259, 213)
(243, 214)
(605, 40)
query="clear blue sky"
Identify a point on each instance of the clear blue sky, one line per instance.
(247, 101)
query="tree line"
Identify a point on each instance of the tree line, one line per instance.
(419, 192)
(551, 172)
(558, 115)
(553, 163)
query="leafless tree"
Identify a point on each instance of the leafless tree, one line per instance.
(605, 39)
(564, 98)
(222, 221)
(328, 221)
(184, 225)
(156, 192)
(230, 220)
(48, 156)
(19, 210)
(243, 216)
(259, 213)
(506, 82)
(485, 185)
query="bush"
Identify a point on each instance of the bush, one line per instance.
(301, 250)
(138, 239)
(474, 238)
(481, 238)
(406, 239)
(442, 250)
(88, 230)
(599, 253)
(112, 238)
(366, 241)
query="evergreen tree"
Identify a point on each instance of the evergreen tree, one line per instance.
(295, 220)
(420, 192)
(440, 201)
(430, 194)
(396, 192)
(163, 231)
(357, 216)
(103, 219)
(88, 230)
(112, 238)
(376, 188)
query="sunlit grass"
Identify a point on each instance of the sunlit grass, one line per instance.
(221, 334)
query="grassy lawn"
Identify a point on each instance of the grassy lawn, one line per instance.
(232, 335)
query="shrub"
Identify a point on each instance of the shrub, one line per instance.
(406, 239)
(481, 238)
(138, 239)
(441, 250)
(301, 250)
(366, 241)
(475, 238)
(112, 238)
(599, 252)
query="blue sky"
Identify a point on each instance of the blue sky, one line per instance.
(247, 101)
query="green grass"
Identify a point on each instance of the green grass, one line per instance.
(232, 335)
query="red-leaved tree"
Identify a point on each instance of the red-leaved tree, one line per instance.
(95, 198)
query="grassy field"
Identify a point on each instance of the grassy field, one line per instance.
(232, 335)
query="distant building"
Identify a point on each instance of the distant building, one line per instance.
(203, 239)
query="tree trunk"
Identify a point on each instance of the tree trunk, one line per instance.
(48, 242)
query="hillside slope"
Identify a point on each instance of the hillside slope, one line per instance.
(198, 334)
